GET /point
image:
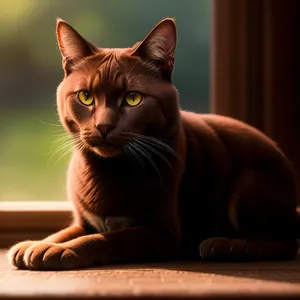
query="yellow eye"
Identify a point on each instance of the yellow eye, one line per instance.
(85, 97)
(133, 98)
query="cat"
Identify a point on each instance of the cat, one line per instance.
(151, 182)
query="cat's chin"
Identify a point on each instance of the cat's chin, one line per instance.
(107, 151)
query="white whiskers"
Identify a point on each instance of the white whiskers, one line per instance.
(145, 149)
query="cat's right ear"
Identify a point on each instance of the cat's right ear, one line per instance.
(159, 46)
(72, 45)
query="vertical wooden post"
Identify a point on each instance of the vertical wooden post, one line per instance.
(255, 67)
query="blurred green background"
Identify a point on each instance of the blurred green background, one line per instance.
(31, 167)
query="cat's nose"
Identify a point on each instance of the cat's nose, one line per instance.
(104, 129)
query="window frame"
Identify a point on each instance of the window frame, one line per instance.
(247, 61)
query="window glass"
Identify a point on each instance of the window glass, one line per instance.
(33, 156)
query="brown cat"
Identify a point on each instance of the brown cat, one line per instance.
(151, 182)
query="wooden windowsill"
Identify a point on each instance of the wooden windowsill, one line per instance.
(32, 220)
(178, 280)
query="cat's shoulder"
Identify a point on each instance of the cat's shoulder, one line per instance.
(222, 126)
(215, 121)
(210, 118)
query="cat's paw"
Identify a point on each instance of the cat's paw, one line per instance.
(51, 256)
(16, 254)
(223, 249)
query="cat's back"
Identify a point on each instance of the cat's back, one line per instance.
(234, 140)
(219, 149)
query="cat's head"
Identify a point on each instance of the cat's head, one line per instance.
(110, 98)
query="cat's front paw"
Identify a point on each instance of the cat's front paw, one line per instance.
(51, 256)
(16, 254)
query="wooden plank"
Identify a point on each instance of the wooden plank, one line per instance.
(173, 280)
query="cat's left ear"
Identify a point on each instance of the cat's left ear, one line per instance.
(72, 45)
(159, 45)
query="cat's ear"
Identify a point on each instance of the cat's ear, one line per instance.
(72, 45)
(159, 45)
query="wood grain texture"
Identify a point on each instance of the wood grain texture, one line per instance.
(177, 280)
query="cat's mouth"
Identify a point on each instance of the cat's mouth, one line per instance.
(103, 147)
(106, 150)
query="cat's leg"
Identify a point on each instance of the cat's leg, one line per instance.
(262, 208)
(227, 249)
(16, 252)
(134, 244)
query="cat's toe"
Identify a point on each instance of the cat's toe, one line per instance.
(33, 256)
(60, 258)
(16, 254)
(215, 249)
(51, 256)
(224, 249)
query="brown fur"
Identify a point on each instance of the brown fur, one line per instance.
(190, 180)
